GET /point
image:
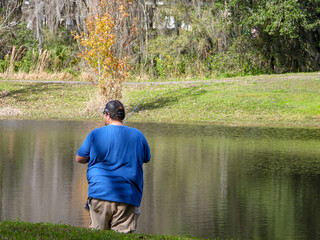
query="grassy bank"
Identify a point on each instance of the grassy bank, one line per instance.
(21, 230)
(282, 100)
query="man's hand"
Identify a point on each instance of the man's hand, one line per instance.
(80, 159)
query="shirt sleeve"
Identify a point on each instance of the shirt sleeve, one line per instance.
(84, 150)
(146, 151)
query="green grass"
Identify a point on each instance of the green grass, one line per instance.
(251, 102)
(22, 230)
(46, 101)
(281, 100)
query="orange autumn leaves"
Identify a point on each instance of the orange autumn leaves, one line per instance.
(99, 42)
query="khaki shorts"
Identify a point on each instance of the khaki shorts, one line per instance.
(120, 217)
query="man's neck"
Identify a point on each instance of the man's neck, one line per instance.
(117, 123)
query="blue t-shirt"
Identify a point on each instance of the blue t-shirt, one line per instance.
(115, 172)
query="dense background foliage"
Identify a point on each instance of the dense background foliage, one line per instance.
(198, 38)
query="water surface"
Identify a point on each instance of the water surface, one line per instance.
(203, 180)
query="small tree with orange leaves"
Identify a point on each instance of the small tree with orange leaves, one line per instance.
(100, 45)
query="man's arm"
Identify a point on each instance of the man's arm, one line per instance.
(146, 152)
(80, 159)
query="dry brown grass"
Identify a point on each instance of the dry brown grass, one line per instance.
(38, 76)
(87, 77)
(40, 63)
(84, 76)
(95, 105)
(42, 60)
(15, 55)
(9, 111)
(3, 93)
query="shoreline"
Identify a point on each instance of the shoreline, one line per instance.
(216, 124)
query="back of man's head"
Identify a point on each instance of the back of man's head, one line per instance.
(115, 109)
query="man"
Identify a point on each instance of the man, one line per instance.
(115, 154)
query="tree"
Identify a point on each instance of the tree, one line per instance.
(7, 11)
(39, 14)
(104, 45)
(10, 16)
(284, 32)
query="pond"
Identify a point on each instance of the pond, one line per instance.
(203, 180)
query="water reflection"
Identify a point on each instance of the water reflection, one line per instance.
(204, 181)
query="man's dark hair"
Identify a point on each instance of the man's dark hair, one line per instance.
(115, 109)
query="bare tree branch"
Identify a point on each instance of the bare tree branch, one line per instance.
(5, 16)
